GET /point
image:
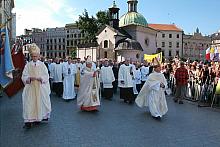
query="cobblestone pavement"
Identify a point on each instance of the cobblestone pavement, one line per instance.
(116, 125)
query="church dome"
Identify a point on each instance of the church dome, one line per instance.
(132, 18)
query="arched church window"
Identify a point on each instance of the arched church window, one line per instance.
(106, 44)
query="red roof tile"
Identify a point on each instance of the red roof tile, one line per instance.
(165, 27)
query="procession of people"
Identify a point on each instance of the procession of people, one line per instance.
(145, 84)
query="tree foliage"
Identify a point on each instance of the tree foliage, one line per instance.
(91, 25)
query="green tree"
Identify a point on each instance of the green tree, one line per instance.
(91, 25)
(74, 52)
(102, 18)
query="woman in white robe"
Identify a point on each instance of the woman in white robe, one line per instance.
(36, 93)
(152, 94)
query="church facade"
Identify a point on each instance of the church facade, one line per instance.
(127, 37)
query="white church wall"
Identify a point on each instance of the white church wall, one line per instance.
(81, 53)
(106, 34)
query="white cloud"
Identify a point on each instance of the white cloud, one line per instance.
(44, 14)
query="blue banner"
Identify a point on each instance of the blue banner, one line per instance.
(6, 63)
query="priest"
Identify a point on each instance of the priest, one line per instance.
(88, 95)
(107, 78)
(69, 72)
(36, 93)
(125, 82)
(152, 94)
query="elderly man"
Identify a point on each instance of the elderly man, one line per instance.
(36, 93)
(88, 95)
(152, 94)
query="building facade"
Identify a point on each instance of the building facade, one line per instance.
(195, 45)
(6, 16)
(216, 40)
(169, 39)
(127, 37)
(55, 42)
(74, 37)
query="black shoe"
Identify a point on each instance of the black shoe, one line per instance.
(175, 100)
(157, 118)
(125, 101)
(36, 123)
(180, 102)
(27, 125)
(46, 119)
(130, 102)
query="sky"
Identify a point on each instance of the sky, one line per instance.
(186, 14)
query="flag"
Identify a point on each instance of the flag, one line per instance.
(212, 53)
(149, 58)
(207, 54)
(216, 54)
(6, 64)
(19, 63)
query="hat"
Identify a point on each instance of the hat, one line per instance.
(155, 62)
(33, 48)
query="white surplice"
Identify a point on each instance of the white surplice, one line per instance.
(153, 96)
(88, 94)
(69, 72)
(36, 95)
(124, 74)
(137, 79)
(56, 72)
(107, 76)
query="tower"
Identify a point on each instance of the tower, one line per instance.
(114, 15)
(132, 5)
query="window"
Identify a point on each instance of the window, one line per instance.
(186, 44)
(105, 54)
(55, 41)
(74, 35)
(170, 35)
(47, 47)
(177, 45)
(67, 36)
(59, 40)
(170, 53)
(71, 42)
(63, 39)
(163, 44)
(178, 36)
(170, 44)
(59, 47)
(51, 40)
(79, 35)
(163, 35)
(106, 44)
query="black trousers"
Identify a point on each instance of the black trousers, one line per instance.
(108, 93)
(127, 94)
(58, 88)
